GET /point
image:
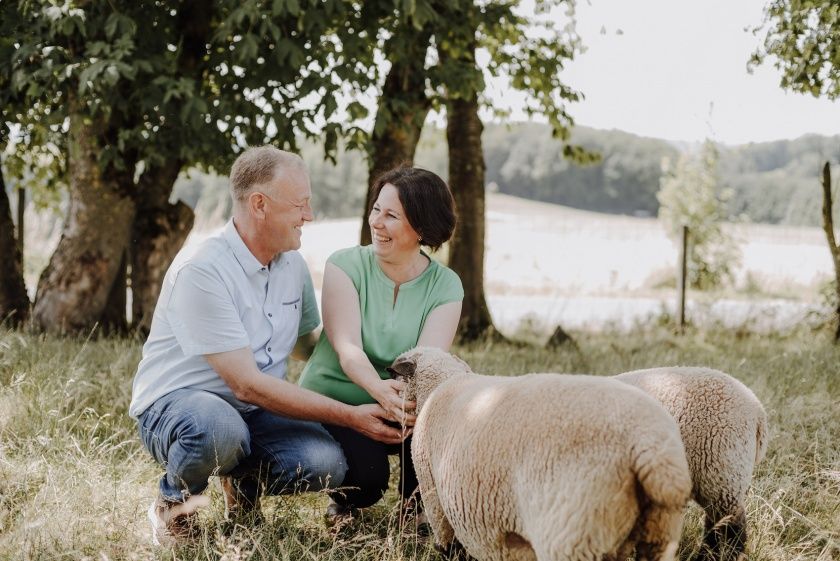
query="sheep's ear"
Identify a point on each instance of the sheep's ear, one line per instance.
(402, 368)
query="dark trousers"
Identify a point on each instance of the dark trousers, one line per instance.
(368, 470)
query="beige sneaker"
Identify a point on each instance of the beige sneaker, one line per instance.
(172, 521)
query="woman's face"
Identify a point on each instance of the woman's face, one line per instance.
(390, 231)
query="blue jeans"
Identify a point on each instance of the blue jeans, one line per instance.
(197, 434)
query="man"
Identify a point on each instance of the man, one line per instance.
(209, 395)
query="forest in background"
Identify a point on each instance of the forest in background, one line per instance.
(770, 182)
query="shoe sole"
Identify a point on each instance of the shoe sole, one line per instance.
(158, 531)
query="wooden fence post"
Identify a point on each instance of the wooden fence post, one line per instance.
(681, 279)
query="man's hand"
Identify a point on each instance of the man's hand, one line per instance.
(369, 419)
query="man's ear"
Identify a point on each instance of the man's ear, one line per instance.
(403, 367)
(256, 203)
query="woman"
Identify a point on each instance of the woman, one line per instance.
(379, 301)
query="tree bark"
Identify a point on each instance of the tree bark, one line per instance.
(14, 302)
(113, 320)
(74, 288)
(160, 229)
(402, 110)
(828, 226)
(466, 252)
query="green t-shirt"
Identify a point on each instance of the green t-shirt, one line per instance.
(388, 328)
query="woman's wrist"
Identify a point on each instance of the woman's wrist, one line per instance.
(378, 390)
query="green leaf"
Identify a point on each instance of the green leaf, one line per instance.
(111, 25)
(357, 111)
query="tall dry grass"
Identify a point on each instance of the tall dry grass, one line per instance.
(75, 482)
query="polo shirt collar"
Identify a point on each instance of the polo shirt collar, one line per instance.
(247, 261)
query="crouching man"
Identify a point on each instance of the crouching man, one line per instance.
(209, 395)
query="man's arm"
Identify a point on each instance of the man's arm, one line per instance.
(239, 371)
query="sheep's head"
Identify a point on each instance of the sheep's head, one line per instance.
(422, 369)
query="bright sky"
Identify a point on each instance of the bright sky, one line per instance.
(677, 69)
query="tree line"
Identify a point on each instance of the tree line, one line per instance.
(769, 182)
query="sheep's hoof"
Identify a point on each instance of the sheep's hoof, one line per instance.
(454, 551)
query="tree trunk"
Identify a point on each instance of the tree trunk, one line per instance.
(466, 177)
(74, 288)
(113, 320)
(14, 302)
(160, 229)
(403, 107)
(828, 226)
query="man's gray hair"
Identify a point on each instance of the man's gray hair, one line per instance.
(258, 166)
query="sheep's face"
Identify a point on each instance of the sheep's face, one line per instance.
(422, 369)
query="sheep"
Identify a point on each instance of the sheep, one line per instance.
(724, 431)
(543, 466)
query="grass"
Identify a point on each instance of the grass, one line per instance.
(75, 481)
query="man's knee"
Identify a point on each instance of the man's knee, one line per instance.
(217, 435)
(228, 443)
(323, 464)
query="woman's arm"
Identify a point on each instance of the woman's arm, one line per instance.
(440, 327)
(343, 325)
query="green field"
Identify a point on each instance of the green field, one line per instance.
(75, 482)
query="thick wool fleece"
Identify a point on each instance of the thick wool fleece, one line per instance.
(724, 430)
(544, 466)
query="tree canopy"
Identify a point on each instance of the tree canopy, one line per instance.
(802, 38)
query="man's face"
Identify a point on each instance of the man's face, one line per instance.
(287, 207)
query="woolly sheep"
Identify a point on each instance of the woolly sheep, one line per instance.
(724, 431)
(543, 466)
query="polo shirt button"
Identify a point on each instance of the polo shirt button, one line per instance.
(269, 315)
(269, 349)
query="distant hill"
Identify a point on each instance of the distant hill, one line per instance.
(773, 182)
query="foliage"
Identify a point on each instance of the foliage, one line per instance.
(188, 83)
(75, 481)
(778, 182)
(689, 196)
(529, 49)
(802, 37)
(525, 161)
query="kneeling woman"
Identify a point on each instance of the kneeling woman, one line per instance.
(379, 301)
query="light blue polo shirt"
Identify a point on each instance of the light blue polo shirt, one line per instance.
(217, 297)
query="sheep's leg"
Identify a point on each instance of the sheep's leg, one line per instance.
(659, 534)
(725, 537)
(442, 529)
(454, 552)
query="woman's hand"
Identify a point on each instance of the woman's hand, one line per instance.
(389, 394)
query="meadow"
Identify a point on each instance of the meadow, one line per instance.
(75, 482)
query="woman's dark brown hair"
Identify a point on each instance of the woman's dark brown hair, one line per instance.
(427, 200)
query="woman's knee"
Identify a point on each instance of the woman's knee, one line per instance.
(366, 481)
